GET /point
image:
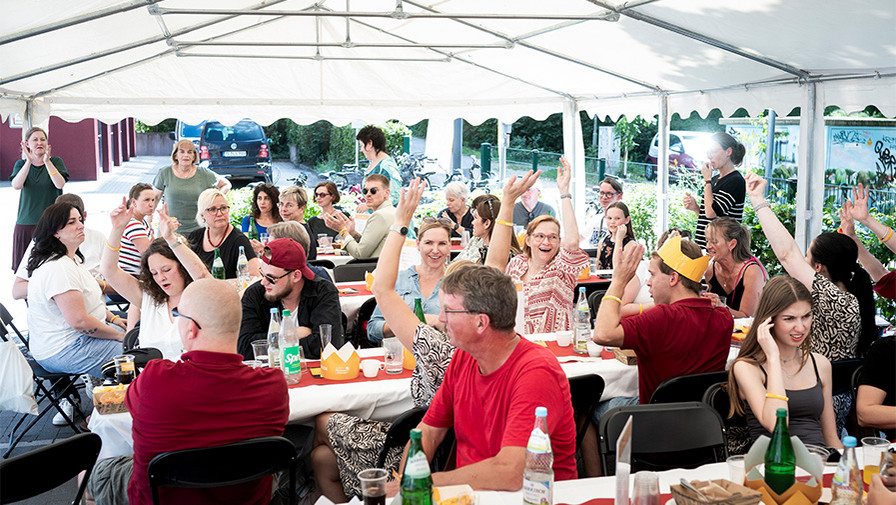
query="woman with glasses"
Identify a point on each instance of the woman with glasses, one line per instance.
(218, 234)
(326, 196)
(183, 181)
(265, 198)
(421, 281)
(609, 192)
(293, 203)
(724, 193)
(457, 209)
(550, 265)
(167, 267)
(485, 210)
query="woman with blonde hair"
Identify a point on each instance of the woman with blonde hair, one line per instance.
(183, 181)
(775, 369)
(218, 234)
(292, 206)
(735, 273)
(484, 211)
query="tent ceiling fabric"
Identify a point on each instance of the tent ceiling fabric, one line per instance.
(151, 62)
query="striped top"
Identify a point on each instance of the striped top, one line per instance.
(129, 256)
(728, 195)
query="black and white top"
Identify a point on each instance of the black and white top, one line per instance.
(836, 322)
(728, 194)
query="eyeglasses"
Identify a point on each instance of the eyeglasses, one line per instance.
(175, 313)
(372, 191)
(441, 220)
(286, 205)
(321, 195)
(606, 194)
(539, 237)
(273, 280)
(452, 311)
(218, 210)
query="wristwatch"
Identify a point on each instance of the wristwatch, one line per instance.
(401, 230)
(177, 242)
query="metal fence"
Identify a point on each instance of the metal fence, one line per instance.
(784, 190)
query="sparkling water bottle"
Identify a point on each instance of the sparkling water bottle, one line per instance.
(416, 480)
(218, 266)
(846, 486)
(538, 477)
(274, 338)
(242, 269)
(780, 462)
(290, 350)
(582, 324)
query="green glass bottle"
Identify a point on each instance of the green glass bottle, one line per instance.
(218, 265)
(416, 480)
(418, 310)
(253, 231)
(780, 462)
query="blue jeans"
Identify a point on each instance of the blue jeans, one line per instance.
(84, 355)
(603, 407)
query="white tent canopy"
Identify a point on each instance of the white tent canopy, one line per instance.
(404, 59)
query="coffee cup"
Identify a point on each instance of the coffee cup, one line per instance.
(594, 349)
(371, 367)
(564, 338)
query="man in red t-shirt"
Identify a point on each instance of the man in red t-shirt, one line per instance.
(206, 399)
(493, 385)
(684, 334)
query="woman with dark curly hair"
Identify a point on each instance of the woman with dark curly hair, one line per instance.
(265, 198)
(167, 267)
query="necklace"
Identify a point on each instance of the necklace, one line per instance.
(208, 235)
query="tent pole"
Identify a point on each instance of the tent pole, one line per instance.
(810, 175)
(574, 150)
(770, 146)
(662, 179)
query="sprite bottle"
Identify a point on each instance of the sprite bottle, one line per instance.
(416, 480)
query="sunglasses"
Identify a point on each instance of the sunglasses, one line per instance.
(321, 195)
(273, 280)
(372, 191)
(175, 313)
(441, 220)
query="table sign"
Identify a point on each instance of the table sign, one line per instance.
(623, 462)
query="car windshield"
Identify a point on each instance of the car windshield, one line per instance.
(189, 130)
(239, 131)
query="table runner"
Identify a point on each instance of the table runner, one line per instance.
(310, 380)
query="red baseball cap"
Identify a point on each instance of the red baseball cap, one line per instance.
(287, 254)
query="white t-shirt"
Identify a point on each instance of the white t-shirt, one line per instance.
(643, 295)
(49, 331)
(594, 230)
(92, 249)
(157, 330)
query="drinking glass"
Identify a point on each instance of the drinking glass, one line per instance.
(646, 489)
(324, 240)
(264, 237)
(260, 349)
(373, 486)
(736, 470)
(326, 336)
(394, 355)
(124, 368)
(873, 449)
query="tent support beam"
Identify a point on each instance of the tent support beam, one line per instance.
(662, 165)
(574, 150)
(810, 175)
(628, 11)
(126, 47)
(401, 15)
(352, 45)
(312, 58)
(75, 21)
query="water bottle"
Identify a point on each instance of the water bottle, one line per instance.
(273, 338)
(416, 480)
(780, 462)
(538, 477)
(846, 486)
(242, 269)
(218, 266)
(290, 350)
(582, 324)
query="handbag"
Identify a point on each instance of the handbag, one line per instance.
(16, 381)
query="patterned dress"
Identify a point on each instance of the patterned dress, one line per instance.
(549, 294)
(357, 442)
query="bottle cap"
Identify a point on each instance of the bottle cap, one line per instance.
(274, 310)
(541, 412)
(581, 289)
(849, 441)
(415, 433)
(781, 412)
(286, 313)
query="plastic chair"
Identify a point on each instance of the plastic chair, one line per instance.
(323, 264)
(224, 465)
(664, 436)
(49, 386)
(359, 340)
(352, 271)
(594, 300)
(131, 339)
(41, 470)
(736, 432)
(686, 388)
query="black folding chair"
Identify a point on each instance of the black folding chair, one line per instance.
(686, 388)
(585, 391)
(400, 432)
(664, 436)
(224, 465)
(352, 271)
(736, 432)
(841, 375)
(41, 470)
(323, 264)
(359, 339)
(48, 386)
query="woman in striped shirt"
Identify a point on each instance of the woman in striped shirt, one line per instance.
(724, 193)
(138, 233)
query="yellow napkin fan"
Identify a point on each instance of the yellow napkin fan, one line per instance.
(343, 364)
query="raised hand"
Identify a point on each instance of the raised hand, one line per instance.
(767, 341)
(515, 187)
(121, 215)
(847, 225)
(690, 203)
(337, 221)
(564, 175)
(755, 185)
(26, 152)
(860, 203)
(167, 224)
(706, 170)
(408, 201)
(626, 260)
(46, 157)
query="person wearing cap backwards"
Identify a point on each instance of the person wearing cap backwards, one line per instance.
(684, 334)
(288, 283)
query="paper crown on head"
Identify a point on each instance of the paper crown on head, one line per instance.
(672, 256)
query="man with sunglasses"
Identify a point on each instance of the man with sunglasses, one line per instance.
(288, 283)
(369, 243)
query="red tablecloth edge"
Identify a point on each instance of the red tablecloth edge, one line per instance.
(361, 288)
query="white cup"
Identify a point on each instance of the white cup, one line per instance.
(594, 349)
(371, 367)
(564, 338)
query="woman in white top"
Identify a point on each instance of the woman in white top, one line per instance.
(166, 268)
(67, 313)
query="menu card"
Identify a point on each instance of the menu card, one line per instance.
(623, 462)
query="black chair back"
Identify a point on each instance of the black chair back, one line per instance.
(686, 388)
(594, 300)
(224, 465)
(585, 391)
(364, 314)
(352, 271)
(664, 436)
(841, 375)
(736, 431)
(322, 263)
(41, 470)
(400, 432)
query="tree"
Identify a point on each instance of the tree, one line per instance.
(625, 133)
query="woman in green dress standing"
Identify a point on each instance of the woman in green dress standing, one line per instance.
(40, 177)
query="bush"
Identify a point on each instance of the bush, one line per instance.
(641, 201)
(342, 145)
(395, 133)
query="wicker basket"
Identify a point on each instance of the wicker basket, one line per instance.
(740, 495)
(626, 356)
(109, 400)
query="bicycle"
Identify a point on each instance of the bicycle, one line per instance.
(348, 180)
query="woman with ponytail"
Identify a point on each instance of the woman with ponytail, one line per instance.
(723, 194)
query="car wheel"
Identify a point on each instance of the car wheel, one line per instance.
(650, 172)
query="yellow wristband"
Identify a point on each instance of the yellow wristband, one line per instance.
(505, 223)
(110, 247)
(887, 237)
(610, 297)
(104, 284)
(640, 308)
(114, 317)
(54, 172)
(776, 397)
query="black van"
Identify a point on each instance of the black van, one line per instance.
(239, 151)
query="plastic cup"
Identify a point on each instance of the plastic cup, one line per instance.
(373, 486)
(594, 349)
(564, 338)
(324, 241)
(736, 471)
(873, 449)
(371, 367)
(326, 336)
(819, 452)
(264, 238)
(124, 368)
(260, 349)
(394, 355)
(646, 490)
(254, 363)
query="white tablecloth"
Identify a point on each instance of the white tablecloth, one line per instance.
(340, 259)
(351, 305)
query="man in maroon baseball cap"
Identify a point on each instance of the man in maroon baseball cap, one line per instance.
(288, 283)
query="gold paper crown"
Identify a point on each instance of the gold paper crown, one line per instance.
(691, 268)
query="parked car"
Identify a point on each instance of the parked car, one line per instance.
(687, 151)
(187, 131)
(239, 151)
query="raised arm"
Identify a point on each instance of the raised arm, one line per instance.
(123, 283)
(785, 248)
(860, 212)
(502, 232)
(708, 197)
(167, 226)
(401, 319)
(847, 227)
(570, 227)
(608, 324)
